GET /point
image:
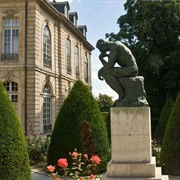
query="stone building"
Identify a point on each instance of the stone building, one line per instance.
(43, 52)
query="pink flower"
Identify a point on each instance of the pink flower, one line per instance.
(63, 163)
(50, 168)
(85, 156)
(81, 178)
(91, 176)
(74, 154)
(35, 134)
(95, 160)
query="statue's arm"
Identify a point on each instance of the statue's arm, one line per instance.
(111, 60)
(101, 57)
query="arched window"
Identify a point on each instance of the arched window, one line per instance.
(77, 60)
(68, 55)
(12, 90)
(86, 68)
(46, 47)
(47, 125)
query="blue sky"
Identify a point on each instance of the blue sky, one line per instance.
(100, 17)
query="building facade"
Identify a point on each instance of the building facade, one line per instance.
(43, 52)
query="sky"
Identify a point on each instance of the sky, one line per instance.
(100, 17)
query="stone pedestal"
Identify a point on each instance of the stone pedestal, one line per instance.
(131, 146)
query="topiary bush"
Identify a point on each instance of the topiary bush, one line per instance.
(170, 150)
(13, 148)
(79, 125)
(163, 119)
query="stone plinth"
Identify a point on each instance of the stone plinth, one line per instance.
(130, 134)
(131, 146)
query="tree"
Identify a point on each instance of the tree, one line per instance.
(151, 30)
(104, 102)
(13, 148)
(79, 125)
(170, 154)
(161, 127)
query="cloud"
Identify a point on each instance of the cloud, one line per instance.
(94, 76)
(105, 90)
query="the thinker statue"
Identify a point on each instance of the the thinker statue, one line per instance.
(120, 79)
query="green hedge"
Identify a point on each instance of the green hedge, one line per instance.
(13, 148)
(79, 112)
(170, 150)
(163, 119)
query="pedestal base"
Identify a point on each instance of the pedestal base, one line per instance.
(131, 146)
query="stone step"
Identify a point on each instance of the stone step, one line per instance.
(140, 174)
(132, 169)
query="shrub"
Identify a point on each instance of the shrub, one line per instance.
(79, 125)
(37, 148)
(156, 151)
(163, 119)
(13, 148)
(170, 151)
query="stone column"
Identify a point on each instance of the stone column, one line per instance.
(131, 146)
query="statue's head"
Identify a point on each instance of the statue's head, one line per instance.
(101, 45)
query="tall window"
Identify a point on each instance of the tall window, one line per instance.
(86, 68)
(68, 53)
(10, 39)
(77, 60)
(12, 90)
(46, 47)
(47, 125)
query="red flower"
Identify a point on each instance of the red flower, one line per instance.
(50, 168)
(74, 154)
(95, 160)
(85, 156)
(63, 163)
(91, 176)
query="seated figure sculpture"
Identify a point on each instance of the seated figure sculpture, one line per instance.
(120, 78)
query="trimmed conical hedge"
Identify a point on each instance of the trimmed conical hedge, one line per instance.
(13, 148)
(163, 119)
(170, 150)
(79, 125)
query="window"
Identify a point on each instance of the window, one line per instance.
(47, 126)
(46, 47)
(12, 90)
(68, 53)
(86, 68)
(77, 61)
(10, 39)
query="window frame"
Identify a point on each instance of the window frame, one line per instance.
(77, 61)
(12, 90)
(10, 39)
(47, 109)
(68, 56)
(86, 70)
(47, 57)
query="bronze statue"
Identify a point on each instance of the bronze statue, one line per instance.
(117, 52)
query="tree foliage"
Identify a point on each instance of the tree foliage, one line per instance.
(79, 125)
(161, 127)
(13, 148)
(170, 150)
(104, 102)
(151, 29)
